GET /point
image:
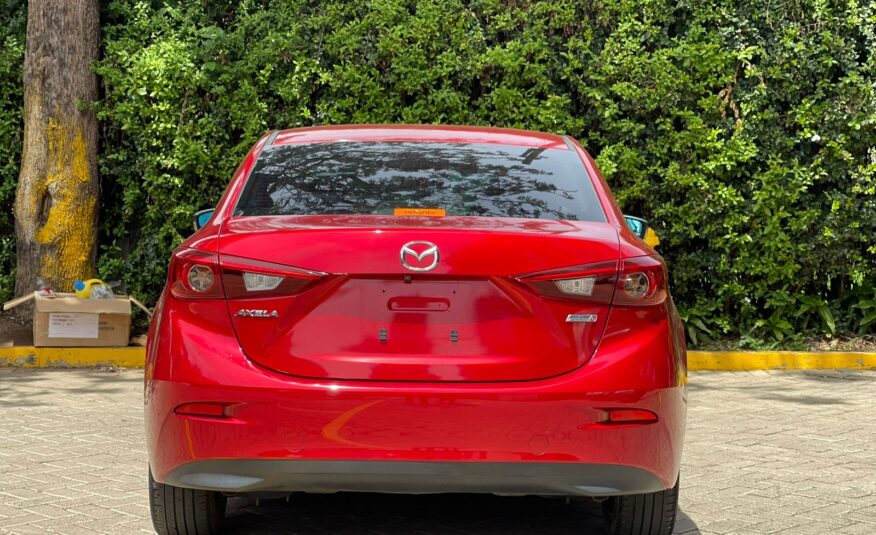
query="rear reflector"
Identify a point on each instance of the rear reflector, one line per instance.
(210, 410)
(631, 416)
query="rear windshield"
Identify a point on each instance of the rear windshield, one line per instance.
(462, 179)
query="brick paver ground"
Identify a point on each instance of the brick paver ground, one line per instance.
(766, 452)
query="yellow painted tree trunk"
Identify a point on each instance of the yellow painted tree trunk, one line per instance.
(57, 195)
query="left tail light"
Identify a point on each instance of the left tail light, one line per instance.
(198, 274)
(195, 275)
(245, 277)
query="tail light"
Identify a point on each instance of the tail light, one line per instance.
(198, 274)
(642, 281)
(195, 275)
(639, 281)
(592, 283)
(244, 277)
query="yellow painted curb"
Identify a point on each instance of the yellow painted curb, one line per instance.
(72, 357)
(777, 360)
(134, 357)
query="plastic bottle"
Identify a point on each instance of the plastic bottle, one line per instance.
(92, 289)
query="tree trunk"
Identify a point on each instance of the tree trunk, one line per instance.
(57, 196)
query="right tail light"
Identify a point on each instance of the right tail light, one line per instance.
(639, 281)
(593, 283)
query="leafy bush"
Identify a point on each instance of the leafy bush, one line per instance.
(744, 130)
(12, 29)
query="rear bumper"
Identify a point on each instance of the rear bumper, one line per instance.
(283, 475)
(547, 436)
(424, 439)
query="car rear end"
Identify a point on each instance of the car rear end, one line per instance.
(429, 310)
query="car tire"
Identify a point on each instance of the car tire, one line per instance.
(642, 514)
(179, 511)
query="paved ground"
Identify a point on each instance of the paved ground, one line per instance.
(791, 452)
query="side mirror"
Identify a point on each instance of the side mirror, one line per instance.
(201, 217)
(638, 225)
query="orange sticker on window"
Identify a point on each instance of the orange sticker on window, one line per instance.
(431, 212)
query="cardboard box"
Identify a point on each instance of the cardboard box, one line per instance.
(64, 320)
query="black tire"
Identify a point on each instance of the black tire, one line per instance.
(179, 511)
(642, 514)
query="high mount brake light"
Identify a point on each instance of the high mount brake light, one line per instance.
(245, 277)
(639, 281)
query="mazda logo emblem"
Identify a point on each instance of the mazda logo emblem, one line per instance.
(419, 256)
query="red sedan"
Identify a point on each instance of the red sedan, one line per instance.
(415, 309)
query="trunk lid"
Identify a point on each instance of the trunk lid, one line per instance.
(371, 318)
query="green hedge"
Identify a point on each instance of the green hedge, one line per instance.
(12, 28)
(745, 131)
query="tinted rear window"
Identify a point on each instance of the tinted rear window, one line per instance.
(378, 177)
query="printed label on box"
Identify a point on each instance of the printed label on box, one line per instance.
(73, 325)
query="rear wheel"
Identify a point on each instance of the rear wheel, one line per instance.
(179, 511)
(642, 514)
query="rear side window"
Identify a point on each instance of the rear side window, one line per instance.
(463, 179)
